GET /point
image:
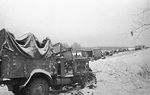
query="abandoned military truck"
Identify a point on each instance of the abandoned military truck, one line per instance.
(29, 67)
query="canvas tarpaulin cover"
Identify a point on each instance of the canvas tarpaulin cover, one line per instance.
(26, 45)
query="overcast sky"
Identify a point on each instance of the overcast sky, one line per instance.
(88, 22)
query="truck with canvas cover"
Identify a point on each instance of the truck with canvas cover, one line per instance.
(30, 67)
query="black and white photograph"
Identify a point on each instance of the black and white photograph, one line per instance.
(74, 47)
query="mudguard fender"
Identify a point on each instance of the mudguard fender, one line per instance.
(37, 71)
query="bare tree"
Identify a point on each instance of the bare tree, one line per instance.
(141, 22)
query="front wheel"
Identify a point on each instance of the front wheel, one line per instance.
(37, 86)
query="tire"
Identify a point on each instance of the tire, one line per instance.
(37, 86)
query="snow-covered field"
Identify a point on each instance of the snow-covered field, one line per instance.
(122, 74)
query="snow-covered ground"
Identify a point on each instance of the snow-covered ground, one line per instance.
(122, 74)
(4, 91)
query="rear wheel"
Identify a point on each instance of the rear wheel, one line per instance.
(37, 86)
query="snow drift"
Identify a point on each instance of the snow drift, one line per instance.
(123, 74)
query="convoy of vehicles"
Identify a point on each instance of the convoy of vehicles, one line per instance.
(33, 68)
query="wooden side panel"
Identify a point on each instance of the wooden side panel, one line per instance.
(16, 66)
(12, 65)
(46, 65)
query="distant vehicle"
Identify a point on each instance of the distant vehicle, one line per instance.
(121, 49)
(97, 54)
(93, 54)
(33, 68)
(139, 47)
(131, 49)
